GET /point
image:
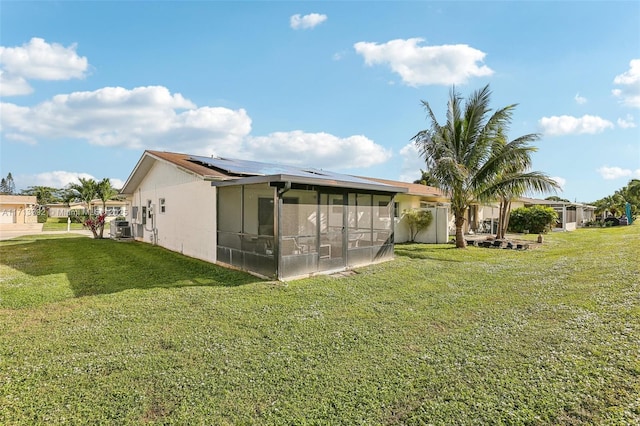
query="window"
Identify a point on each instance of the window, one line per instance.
(114, 211)
(163, 207)
(396, 209)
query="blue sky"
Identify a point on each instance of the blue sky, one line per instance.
(87, 86)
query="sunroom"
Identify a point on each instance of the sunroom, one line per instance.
(290, 222)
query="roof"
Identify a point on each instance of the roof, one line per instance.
(177, 159)
(18, 199)
(227, 171)
(413, 188)
(553, 203)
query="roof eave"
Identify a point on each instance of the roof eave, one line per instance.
(311, 181)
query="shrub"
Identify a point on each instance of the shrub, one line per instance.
(78, 218)
(536, 219)
(418, 220)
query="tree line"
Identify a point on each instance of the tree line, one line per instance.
(84, 191)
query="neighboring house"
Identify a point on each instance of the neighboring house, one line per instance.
(570, 215)
(421, 197)
(484, 218)
(18, 212)
(114, 209)
(271, 220)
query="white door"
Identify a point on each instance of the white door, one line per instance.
(8, 216)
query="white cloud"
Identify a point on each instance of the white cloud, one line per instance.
(338, 55)
(610, 173)
(153, 118)
(425, 65)
(12, 85)
(561, 181)
(59, 179)
(412, 163)
(627, 122)
(20, 138)
(38, 60)
(568, 125)
(320, 150)
(299, 22)
(629, 93)
(55, 179)
(144, 117)
(580, 100)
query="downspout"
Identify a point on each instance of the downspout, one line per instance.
(287, 187)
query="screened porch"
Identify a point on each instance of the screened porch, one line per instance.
(285, 230)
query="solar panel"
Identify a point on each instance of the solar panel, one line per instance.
(256, 168)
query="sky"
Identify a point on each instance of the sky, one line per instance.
(86, 87)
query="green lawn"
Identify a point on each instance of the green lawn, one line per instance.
(107, 332)
(55, 224)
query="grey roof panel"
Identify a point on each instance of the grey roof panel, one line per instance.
(256, 168)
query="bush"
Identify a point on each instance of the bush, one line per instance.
(536, 219)
(78, 218)
(42, 217)
(611, 221)
(418, 220)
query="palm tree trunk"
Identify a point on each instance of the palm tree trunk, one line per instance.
(506, 219)
(104, 209)
(500, 220)
(460, 242)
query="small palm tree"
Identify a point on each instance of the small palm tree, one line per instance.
(469, 159)
(85, 191)
(105, 192)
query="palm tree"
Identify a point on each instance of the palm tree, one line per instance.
(470, 159)
(515, 179)
(85, 191)
(425, 179)
(105, 192)
(633, 188)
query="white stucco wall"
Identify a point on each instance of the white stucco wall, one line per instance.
(188, 224)
(438, 231)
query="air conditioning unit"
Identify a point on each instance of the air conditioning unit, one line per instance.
(119, 229)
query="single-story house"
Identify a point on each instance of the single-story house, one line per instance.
(483, 218)
(113, 208)
(268, 219)
(570, 215)
(426, 198)
(18, 212)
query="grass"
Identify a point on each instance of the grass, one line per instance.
(60, 224)
(106, 332)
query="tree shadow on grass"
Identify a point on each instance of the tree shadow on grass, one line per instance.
(426, 251)
(107, 266)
